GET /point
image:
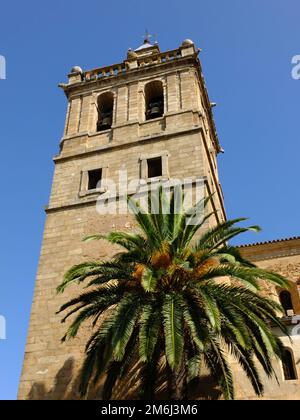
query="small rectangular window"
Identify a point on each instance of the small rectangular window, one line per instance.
(94, 179)
(154, 167)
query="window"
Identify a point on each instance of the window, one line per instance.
(154, 100)
(105, 106)
(288, 365)
(286, 301)
(94, 179)
(154, 167)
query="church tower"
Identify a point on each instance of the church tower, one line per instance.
(150, 116)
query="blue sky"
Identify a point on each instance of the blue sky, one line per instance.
(247, 51)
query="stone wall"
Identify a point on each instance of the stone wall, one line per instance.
(185, 137)
(282, 256)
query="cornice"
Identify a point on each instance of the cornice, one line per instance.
(129, 77)
(116, 146)
(271, 250)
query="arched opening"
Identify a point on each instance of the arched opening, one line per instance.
(286, 301)
(154, 100)
(288, 365)
(105, 111)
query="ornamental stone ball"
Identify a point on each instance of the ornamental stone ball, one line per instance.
(187, 42)
(76, 69)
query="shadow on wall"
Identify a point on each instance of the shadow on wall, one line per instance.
(66, 388)
(204, 388)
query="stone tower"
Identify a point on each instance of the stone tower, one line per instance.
(149, 115)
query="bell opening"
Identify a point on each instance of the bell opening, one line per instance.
(154, 98)
(105, 111)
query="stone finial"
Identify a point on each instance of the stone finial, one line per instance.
(76, 75)
(187, 47)
(76, 69)
(131, 54)
(187, 42)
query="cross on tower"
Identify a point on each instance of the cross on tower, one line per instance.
(147, 36)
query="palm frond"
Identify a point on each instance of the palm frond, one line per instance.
(125, 319)
(245, 360)
(218, 364)
(194, 367)
(173, 329)
(148, 280)
(78, 273)
(150, 325)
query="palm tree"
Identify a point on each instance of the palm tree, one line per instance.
(174, 304)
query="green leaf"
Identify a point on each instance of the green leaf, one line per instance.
(173, 330)
(191, 318)
(194, 367)
(148, 280)
(150, 325)
(125, 320)
(78, 273)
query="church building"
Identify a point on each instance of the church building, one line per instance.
(150, 116)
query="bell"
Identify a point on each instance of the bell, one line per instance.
(155, 110)
(105, 122)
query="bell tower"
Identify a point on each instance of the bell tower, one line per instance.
(150, 116)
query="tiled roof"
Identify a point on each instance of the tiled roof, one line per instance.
(269, 242)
